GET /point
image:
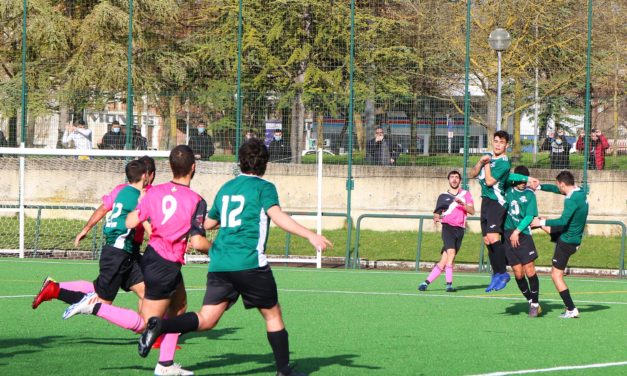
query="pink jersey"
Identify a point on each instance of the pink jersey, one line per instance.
(170, 207)
(107, 203)
(455, 214)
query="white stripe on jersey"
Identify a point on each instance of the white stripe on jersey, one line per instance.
(454, 204)
(119, 241)
(263, 235)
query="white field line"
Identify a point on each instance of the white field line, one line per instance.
(554, 369)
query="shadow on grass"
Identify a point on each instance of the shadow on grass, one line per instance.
(522, 308)
(9, 346)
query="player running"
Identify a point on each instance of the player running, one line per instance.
(73, 291)
(176, 215)
(519, 246)
(452, 208)
(242, 208)
(567, 232)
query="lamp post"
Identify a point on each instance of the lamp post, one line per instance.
(499, 40)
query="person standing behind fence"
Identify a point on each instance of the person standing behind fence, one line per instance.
(452, 208)
(78, 135)
(201, 143)
(598, 146)
(114, 139)
(559, 150)
(379, 150)
(279, 149)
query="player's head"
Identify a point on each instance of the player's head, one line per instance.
(565, 180)
(182, 161)
(253, 157)
(135, 171)
(500, 142)
(454, 178)
(521, 170)
(151, 170)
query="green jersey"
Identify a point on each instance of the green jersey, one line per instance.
(241, 207)
(522, 207)
(115, 231)
(499, 167)
(573, 219)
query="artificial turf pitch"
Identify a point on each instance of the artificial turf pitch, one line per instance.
(340, 323)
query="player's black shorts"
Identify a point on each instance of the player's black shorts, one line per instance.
(118, 270)
(492, 216)
(161, 276)
(523, 254)
(452, 237)
(256, 286)
(556, 232)
(562, 253)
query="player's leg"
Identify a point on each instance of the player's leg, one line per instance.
(534, 287)
(562, 253)
(438, 268)
(68, 292)
(492, 216)
(448, 269)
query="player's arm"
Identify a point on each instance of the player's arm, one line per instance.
(147, 228)
(285, 222)
(132, 219)
(96, 216)
(197, 232)
(211, 224)
(567, 214)
(549, 188)
(476, 169)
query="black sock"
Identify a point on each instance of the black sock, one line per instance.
(167, 364)
(534, 285)
(69, 296)
(568, 301)
(524, 287)
(96, 308)
(491, 257)
(281, 349)
(185, 323)
(498, 260)
(427, 282)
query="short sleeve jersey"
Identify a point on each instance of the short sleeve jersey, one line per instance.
(115, 231)
(499, 168)
(451, 212)
(520, 204)
(241, 207)
(573, 217)
(170, 208)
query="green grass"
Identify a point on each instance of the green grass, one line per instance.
(340, 323)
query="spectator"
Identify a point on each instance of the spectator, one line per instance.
(139, 142)
(379, 150)
(78, 135)
(598, 145)
(279, 149)
(250, 134)
(201, 143)
(114, 139)
(559, 150)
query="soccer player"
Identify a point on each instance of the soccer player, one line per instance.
(566, 231)
(176, 215)
(452, 208)
(520, 249)
(73, 291)
(492, 171)
(242, 208)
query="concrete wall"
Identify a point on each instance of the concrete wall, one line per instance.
(384, 190)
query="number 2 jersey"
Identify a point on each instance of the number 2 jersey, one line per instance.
(171, 210)
(241, 207)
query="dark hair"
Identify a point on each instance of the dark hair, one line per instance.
(181, 160)
(565, 177)
(149, 163)
(115, 122)
(134, 171)
(81, 122)
(253, 157)
(502, 134)
(454, 172)
(278, 130)
(521, 170)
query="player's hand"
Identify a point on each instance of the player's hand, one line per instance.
(514, 239)
(485, 159)
(81, 235)
(460, 201)
(437, 218)
(320, 242)
(535, 222)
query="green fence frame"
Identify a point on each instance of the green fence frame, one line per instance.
(482, 265)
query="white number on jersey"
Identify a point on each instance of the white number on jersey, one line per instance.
(231, 219)
(168, 207)
(514, 209)
(116, 211)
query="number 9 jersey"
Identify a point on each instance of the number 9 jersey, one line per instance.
(171, 209)
(241, 207)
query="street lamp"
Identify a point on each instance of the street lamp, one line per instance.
(499, 40)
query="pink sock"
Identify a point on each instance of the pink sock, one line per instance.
(449, 274)
(435, 273)
(80, 286)
(122, 317)
(168, 347)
